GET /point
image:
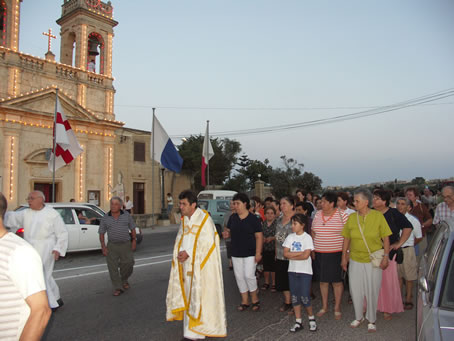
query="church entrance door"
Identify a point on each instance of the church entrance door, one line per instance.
(46, 188)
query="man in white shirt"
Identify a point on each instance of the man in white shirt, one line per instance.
(45, 230)
(128, 205)
(408, 270)
(27, 312)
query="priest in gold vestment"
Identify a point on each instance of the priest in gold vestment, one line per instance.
(196, 290)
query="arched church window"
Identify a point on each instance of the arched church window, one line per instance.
(3, 23)
(95, 58)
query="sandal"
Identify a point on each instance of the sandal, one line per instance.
(126, 286)
(285, 307)
(256, 306)
(265, 286)
(356, 323)
(371, 328)
(312, 325)
(321, 312)
(408, 306)
(387, 317)
(273, 288)
(296, 327)
(337, 315)
(118, 292)
(243, 307)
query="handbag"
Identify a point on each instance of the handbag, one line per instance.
(376, 256)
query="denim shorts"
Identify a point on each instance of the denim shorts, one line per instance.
(300, 288)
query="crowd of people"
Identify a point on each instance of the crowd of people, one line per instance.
(367, 242)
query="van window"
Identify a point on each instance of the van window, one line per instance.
(205, 196)
(447, 300)
(203, 204)
(223, 206)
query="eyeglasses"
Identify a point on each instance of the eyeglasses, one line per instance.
(31, 198)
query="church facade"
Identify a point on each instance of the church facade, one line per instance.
(114, 157)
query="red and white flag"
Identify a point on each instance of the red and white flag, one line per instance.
(207, 154)
(67, 148)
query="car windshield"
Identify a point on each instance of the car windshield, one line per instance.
(447, 300)
(97, 209)
(435, 244)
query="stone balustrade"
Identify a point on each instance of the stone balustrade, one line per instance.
(99, 7)
(28, 62)
(94, 78)
(65, 72)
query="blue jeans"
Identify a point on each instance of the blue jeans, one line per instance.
(300, 288)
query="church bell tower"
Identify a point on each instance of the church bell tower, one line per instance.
(9, 23)
(86, 35)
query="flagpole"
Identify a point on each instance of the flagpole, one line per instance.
(152, 169)
(54, 140)
(207, 154)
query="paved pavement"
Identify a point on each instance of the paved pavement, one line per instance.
(92, 313)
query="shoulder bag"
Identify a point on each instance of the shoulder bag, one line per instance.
(375, 257)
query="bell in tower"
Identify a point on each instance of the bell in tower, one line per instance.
(93, 47)
(86, 34)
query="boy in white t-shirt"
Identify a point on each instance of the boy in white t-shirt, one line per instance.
(297, 249)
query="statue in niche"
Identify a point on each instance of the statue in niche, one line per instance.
(119, 189)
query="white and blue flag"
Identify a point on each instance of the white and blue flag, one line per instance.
(164, 150)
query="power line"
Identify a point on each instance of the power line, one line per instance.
(259, 108)
(339, 118)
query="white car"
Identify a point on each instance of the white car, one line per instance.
(82, 222)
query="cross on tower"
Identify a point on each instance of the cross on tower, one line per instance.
(50, 36)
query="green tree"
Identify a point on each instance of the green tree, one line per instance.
(237, 183)
(309, 182)
(221, 164)
(286, 180)
(419, 181)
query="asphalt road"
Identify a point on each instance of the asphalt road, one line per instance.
(92, 313)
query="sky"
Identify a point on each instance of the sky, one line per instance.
(261, 63)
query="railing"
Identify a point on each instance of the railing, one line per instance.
(95, 78)
(98, 6)
(31, 63)
(65, 72)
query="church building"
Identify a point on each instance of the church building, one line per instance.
(115, 160)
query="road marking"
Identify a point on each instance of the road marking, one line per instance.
(104, 264)
(222, 249)
(104, 271)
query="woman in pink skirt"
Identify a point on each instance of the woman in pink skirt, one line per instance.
(390, 297)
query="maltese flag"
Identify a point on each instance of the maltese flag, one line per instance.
(207, 154)
(163, 149)
(67, 148)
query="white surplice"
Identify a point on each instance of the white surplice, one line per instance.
(196, 289)
(45, 230)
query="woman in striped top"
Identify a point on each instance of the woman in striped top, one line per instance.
(326, 231)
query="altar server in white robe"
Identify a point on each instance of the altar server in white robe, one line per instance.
(45, 230)
(196, 290)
